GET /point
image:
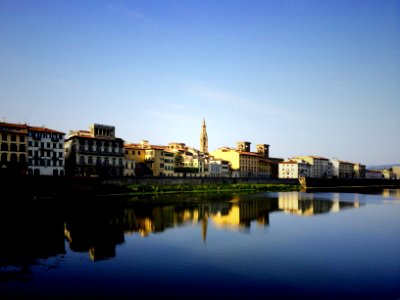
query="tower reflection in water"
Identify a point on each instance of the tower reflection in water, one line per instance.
(39, 230)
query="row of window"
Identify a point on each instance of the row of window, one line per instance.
(45, 153)
(13, 147)
(13, 137)
(99, 149)
(132, 152)
(100, 143)
(45, 162)
(45, 145)
(13, 158)
(40, 135)
(99, 161)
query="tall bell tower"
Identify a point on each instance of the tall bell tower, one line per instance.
(204, 138)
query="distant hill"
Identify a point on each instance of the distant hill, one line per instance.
(381, 167)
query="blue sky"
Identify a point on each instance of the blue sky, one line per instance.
(307, 77)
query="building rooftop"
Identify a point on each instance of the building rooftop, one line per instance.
(43, 129)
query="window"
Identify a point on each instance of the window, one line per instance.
(36, 144)
(120, 162)
(60, 163)
(30, 152)
(13, 147)
(90, 160)
(4, 157)
(22, 139)
(4, 137)
(48, 145)
(138, 153)
(133, 152)
(13, 138)
(30, 143)
(4, 147)
(13, 157)
(22, 148)
(60, 154)
(22, 158)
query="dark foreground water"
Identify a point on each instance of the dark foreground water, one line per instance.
(266, 245)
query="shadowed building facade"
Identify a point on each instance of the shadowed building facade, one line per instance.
(94, 153)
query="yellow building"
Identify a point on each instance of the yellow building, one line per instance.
(154, 158)
(13, 150)
(244, 162)
(134, 155)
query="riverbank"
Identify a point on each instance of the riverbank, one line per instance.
(136, 189)
(68, 187)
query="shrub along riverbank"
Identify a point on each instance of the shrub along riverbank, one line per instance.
(135, 189)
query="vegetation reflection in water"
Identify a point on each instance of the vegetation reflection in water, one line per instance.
(43, 232)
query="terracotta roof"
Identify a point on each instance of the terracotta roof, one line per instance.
(346, 162)
(29, 128)
(132, 146)
(248, 153)
(13, 125)
(43, 129)
(158, 147)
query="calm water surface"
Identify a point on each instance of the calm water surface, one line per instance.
(266, 245)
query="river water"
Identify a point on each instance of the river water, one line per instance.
(264, 245)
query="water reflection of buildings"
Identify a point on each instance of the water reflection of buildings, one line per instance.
(305, 204)
(391, 193)
(98, 230)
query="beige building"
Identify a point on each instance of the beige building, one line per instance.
(169, 163)
(293, 169)
(320, 167)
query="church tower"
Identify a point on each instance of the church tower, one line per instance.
(204, 138)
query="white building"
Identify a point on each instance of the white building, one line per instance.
(320, 167)
(45, 151)
(373, 174)
(293, 169)
(342, 169)
(219, 168)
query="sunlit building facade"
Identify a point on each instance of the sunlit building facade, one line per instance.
(320, 167)
(244, 162)
(293, 169)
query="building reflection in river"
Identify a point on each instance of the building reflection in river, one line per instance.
(305, 204)
(99, 229)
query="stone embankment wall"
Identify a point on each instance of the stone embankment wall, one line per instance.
(193, 180)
